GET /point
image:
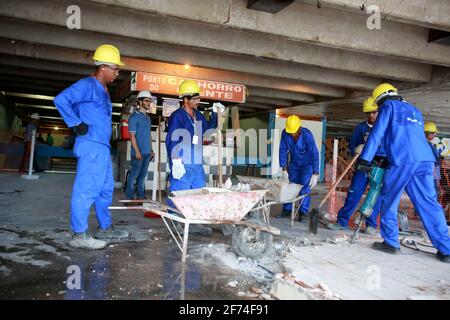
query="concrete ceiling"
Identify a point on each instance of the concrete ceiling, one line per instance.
(314, 58)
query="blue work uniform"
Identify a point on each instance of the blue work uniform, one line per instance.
(359, 181)
(437, 167)
(400, 126)
(140, 125)
(303, 163)
(185, 140)
(87, 101)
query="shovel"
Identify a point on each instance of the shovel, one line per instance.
(314, 214)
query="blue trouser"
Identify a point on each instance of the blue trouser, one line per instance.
(417, 180)
(301, 176)
(139, 169)
(354, 194)
(94, 184)
(194, 178)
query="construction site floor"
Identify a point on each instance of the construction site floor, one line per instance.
(37, 263)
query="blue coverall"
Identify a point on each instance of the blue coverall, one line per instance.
(87, 101)
(359, 181)
(303, 163)
(182, 132)
(400, 127)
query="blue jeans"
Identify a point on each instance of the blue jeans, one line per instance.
(138, 171)
(354, 195)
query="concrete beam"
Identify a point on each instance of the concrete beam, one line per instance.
(38, 74)
(271, 101)
(44, 65)
(329, 28)
(279, 94)
(271, 6)
(426, 13)
(163, 29)
(84, 57)
(255, 105)
(162, 52)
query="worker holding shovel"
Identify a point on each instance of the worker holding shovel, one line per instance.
(360, 179)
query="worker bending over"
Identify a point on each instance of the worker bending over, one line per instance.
(360, 179)
(303, 167)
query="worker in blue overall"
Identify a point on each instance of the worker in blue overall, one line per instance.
(303, 167)
(400, 127)
(86, 107)
(184, 142)
(430, 133)
(360, 180)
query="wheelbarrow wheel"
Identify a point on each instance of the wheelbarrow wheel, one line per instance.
(246, 242)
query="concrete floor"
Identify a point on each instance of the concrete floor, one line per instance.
(36, 262)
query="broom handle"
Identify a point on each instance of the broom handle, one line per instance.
(338, 181)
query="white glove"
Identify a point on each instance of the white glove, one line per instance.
(359, 149)
(217, 105)
(285, 175)
(178, 169)
(227, 184)
(313, 181)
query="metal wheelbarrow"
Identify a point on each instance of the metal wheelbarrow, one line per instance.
(278, 192)
(251, 237)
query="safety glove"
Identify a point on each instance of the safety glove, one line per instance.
(285, 176)
(363, 166)
(313, 181)
(81, 129)
(178, 169)
(359, 149)
(217, 105)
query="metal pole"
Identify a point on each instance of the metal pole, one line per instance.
(159, 158)
(30, 175)
(219, 144)
(333, 178)
(33, 139)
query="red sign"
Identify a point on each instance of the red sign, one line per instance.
(164, 84)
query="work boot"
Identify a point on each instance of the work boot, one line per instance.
(443, 257)
(283, 214)
(111, 233)
(370, 230)
(85, 241)
(336, 226)
(384, 247)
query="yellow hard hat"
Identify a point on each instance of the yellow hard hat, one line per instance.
(293, 123)
(382, 89)
(369, 105)
(430, 127)
(108, 53)
(188, 88)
